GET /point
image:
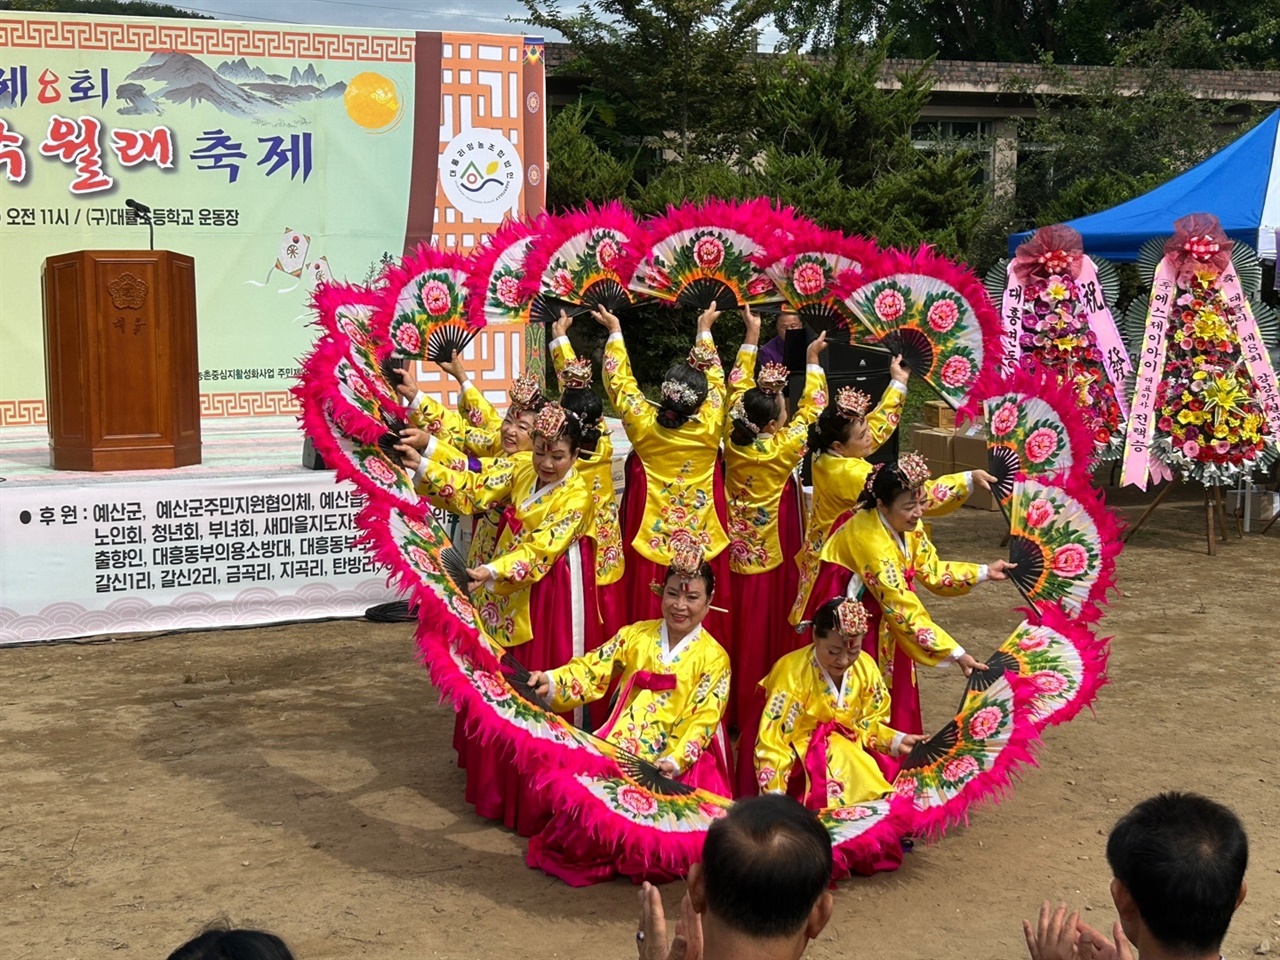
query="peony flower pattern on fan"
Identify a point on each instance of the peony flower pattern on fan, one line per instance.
(1064, 661)
(431, 298)
(1208, 423)
(706, 253)
(937, 331)
(1054, 334)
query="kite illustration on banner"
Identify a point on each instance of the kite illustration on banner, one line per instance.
(291, 259)
(320, 272)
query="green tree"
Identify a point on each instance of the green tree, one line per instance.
(579, 171)
(668, 75)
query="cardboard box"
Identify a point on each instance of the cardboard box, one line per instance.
(939, 415)
(970, 453)
(1263, 505)
(933, 445)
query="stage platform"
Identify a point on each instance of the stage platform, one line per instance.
(249, 536)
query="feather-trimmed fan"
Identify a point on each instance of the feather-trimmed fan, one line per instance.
(344, 309)
(1063, 541)
(1062, 659)
(932, 311)
(1034, 428)
(330, 381)
(448, 337)
(972, 758)
(425, 292)
(858, 829)
(577, 257)
(699, 254)
(806, 266)
(494, 272)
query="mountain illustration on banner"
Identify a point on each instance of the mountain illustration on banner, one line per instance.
(234, 87)
(474, 180)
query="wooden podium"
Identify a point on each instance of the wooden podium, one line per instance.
(121, 373)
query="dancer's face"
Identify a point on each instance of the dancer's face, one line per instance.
(684, 604)
(551, 461)
(834, 653)
(904, 511)
(857, 440)
(516, 432)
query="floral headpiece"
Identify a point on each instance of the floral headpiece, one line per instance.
(551, 421)
(525, 391)
(913, 469)
(852, 404)
(686, 558)
(703, 356)
(576, 374)
(851, 619)
(772, 378)
(738, 414)
(679, 393)
(1056, 251)
(1198, 243)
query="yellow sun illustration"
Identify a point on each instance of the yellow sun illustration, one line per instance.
(372, 101)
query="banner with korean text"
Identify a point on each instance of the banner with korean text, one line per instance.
(275, 155)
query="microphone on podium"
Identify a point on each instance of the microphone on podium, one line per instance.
(144, 212)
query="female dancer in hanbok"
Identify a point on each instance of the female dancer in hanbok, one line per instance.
(761, 452)
(826, 714)
(842, 436)
(595, 464)
(673, 689)
(475, 430)
(885, 551)
(536, 596)
(679, 496)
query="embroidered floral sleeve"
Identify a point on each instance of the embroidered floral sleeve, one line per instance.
(908, 621)
(587, 678)
(465, 492)
(946, 494)
(561, 354)
(624, 393)
(883, 420)
(439, 421)
(711, 696)
(873, 706)
(540, 548)
(947, 578)
(775, 754)
(484, 433)
(741, 379)
(812, 402)
(713, 411)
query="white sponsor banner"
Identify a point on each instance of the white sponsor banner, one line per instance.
(104, 558)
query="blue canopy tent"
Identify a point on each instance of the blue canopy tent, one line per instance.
(1240, 185)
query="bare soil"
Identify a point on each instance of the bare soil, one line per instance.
(300, 778)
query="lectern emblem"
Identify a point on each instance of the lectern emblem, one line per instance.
(127, 291)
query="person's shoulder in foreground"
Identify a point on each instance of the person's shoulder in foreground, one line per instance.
(1178, 862)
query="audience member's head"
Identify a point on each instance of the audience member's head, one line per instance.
(764, 876)
(1178, 860)
(224, 944)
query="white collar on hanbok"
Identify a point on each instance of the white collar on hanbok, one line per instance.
(540, 492)
(893, 534)
(668, 654)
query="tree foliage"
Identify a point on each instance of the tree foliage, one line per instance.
(118, 8)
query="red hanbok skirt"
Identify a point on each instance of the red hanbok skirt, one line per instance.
(494, 787)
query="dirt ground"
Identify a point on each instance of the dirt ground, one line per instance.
(300, 778)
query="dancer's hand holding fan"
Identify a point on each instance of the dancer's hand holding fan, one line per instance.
(933, 312)
(1063, 541)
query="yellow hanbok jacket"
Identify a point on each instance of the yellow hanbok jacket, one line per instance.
(801, 699)
(756, 474)
(679, 465)
(474, 428)
(656, 719)
(596, 469)
(539, 525)
(890, 567)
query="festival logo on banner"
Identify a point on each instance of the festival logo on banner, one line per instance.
(480, 170)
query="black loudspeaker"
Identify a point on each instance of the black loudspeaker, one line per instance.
(848, 365)
(311, 459)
